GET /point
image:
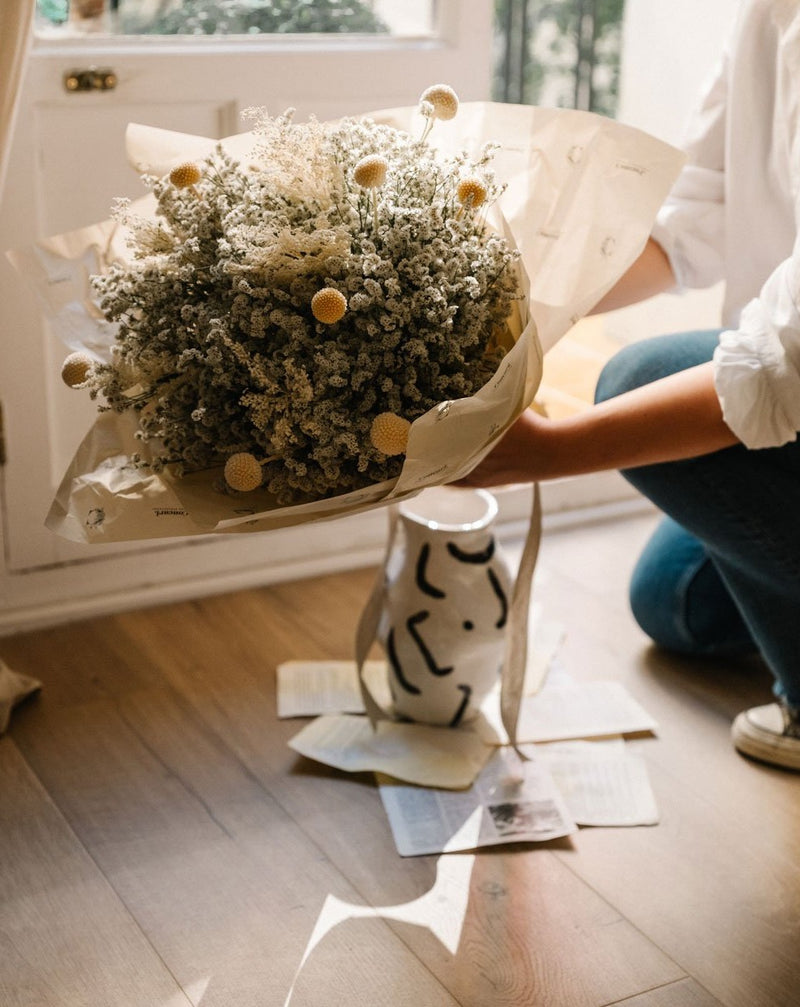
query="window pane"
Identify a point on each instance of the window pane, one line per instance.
(235, 17)
(562, 53)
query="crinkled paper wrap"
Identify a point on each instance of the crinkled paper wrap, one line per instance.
(582, 193)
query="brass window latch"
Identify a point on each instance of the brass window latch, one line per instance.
(91, 79)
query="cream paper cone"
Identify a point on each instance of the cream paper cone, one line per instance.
(582, 193)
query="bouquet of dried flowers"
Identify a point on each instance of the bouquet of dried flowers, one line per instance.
(286, 319)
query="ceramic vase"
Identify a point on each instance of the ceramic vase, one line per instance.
(446, 597)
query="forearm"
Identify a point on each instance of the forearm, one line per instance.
(674, 418)
(650, 274)
(671, 419)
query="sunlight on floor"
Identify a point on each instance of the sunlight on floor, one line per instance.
(441, 910)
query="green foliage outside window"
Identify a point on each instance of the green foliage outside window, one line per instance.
(559, 52)
(251, 17)
(53, 11)
(228, 17)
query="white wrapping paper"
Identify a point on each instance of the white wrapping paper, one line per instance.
(582, 192)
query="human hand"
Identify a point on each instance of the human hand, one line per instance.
(520, 456)
(674, 418)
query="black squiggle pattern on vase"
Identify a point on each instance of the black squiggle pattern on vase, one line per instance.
(462, 709)
(413, 622)
(421, 574)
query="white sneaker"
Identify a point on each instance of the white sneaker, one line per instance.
(769, 733)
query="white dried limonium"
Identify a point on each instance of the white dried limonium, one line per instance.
(266, 318)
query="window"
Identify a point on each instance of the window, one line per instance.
(563, 53)
(236, 17)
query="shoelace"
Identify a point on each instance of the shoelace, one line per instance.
(791, 720)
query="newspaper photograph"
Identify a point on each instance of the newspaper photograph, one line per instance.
(511, 801)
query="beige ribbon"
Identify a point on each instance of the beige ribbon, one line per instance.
(367, 629)
(516, 658)
(516, 651)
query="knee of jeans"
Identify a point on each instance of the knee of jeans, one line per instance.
(653, 612)
(649, 359)
(620, 374)
(657, 602)
(687, 611)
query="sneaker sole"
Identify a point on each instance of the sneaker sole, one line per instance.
(764, 745)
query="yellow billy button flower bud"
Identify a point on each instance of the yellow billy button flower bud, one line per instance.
(443, 99)
(471, 192)
(75, 369)
(328, 305)
(185, 176)
(243, 472)
(389, 433)
(370, 172)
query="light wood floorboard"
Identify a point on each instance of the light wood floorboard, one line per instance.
(66, 937)
(684, 993)
(161, 844)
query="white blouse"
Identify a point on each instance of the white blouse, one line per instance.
(733, 214)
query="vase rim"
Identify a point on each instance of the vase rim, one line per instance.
(446, 508)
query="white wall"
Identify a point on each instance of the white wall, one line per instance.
(670, 48)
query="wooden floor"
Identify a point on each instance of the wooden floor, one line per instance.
(160, 845)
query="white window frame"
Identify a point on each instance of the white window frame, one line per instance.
(59, 581)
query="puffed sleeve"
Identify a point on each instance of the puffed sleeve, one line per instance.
(757, 365)
(690, 224)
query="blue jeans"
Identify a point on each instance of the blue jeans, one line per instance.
(721, 574)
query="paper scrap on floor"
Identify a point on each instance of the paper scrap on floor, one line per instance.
(416, 753)
(565, 709)
(601, 783)
(311, 688)
(564, 785)
(511, 801)
(14, 687)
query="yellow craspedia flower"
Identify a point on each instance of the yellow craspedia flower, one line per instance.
(389, 433)
(442, 98)
(75, 369)
(243, 472)
(471, 192)
(184, 176)
(370, 172)
(328, 305)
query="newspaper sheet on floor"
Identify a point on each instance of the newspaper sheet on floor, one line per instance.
(564, 709)
(312, 688)
(601, 782)
(564, 785)
(510, 801)
(416, 753)
(598, 782)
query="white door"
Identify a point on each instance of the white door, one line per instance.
(68, 162)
